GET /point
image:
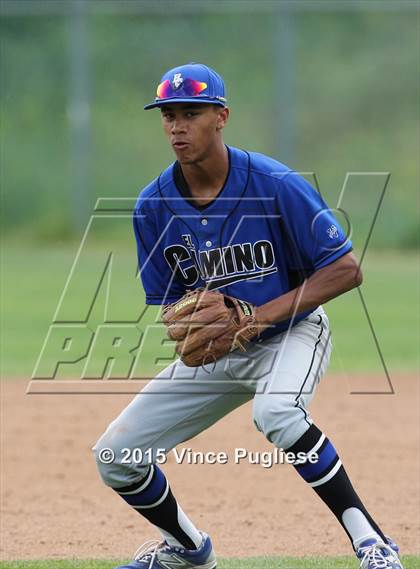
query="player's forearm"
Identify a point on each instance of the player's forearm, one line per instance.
(324, 285)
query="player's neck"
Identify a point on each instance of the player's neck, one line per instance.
(206, 178)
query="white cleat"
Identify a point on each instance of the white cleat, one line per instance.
(374, 554)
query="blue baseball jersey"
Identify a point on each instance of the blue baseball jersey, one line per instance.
(266, 231)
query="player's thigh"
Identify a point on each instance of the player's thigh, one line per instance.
(173, 407)
(302, 356)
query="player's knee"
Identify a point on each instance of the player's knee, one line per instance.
(115, 462)
(279, 419)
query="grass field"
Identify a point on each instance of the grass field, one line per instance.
(33, 280)
(410, 562)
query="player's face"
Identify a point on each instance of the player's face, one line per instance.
(193, 129)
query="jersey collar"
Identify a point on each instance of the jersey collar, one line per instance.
(184, 189)
(177, 195)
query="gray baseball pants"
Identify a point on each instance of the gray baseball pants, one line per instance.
(280, 375)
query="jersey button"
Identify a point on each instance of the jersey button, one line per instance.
(204, 221)
(208, 243)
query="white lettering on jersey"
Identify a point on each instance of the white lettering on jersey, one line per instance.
(221, 265)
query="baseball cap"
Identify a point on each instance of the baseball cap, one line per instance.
(190, 83)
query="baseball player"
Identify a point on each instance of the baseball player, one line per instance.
(241, 252)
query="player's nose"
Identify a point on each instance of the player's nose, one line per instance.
(178, 126)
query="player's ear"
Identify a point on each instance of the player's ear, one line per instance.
(222, 117)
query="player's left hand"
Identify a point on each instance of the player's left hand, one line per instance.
(207, 325)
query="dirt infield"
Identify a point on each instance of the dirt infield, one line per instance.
(54, 505)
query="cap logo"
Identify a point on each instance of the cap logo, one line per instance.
(177, 81)
(178, 87)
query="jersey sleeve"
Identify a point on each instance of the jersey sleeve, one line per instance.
(315, 238)
(155, 273)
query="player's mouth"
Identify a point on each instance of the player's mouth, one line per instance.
(180, 145)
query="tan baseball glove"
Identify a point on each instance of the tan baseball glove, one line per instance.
(207, 325)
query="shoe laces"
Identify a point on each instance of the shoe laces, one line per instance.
(374, 556)
(149, 550)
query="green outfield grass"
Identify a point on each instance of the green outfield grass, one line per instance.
(410, 562)
(33, 280)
